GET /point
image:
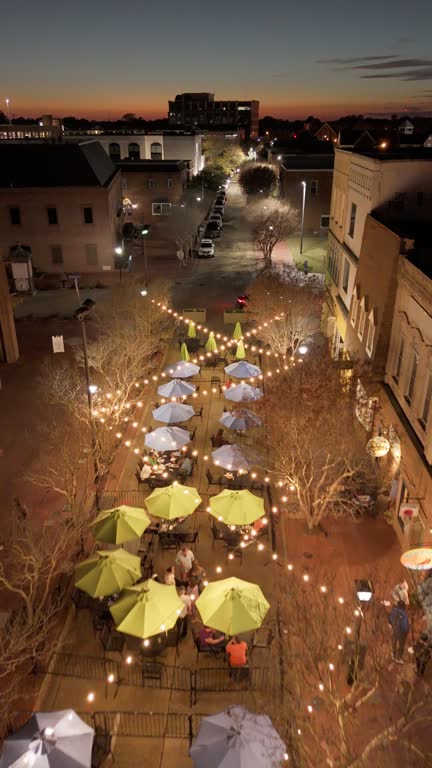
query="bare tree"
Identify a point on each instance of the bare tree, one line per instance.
(271, 224)
(297, 304)
(315, 446)
(182, 225)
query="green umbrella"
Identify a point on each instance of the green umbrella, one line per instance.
(240, 351)
(211, 345)
(147, 609)
(232, 606)
(173, 501)
(107, 572)
(120, 524)
(236, 507)
(191, 330)
(237, 333)
(184, 354)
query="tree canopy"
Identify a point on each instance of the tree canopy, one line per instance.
(258, 180)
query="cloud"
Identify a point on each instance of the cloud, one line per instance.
(352, 61)
(408, 75)
(396, 64)
(402, 41)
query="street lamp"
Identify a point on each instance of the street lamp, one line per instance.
(7, 111)
(364, 590)
(303, 349)
(302, 216)
(81, 315)
(118, 250)
(364, 593)
(145, 230)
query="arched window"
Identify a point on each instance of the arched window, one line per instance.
(134, 151)
(156, 151)
(114, 151)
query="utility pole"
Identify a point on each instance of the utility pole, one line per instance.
(145, 230)
(302, 216)
(81, 315)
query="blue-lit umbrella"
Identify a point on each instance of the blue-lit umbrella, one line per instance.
(167, 438)
(176, 388)
(242, 392)
(182, 370)
(173, 413)
(242, 370)
(231, 457)
(237, 738)
(240, 419)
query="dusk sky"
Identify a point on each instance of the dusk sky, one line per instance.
(101, 59)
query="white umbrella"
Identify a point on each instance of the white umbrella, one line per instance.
(237, 738)
(242, 370)
(50, 740)
(240, 419)
(176, 388)
(167, 438)
(172, 413)
(182, 369)
(241, 393)
(230, 457)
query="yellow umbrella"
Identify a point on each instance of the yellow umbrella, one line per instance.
(191, 330)
(211, 345)
(184, 354)
(240, 351)
(236, 507)
(237, 333)
(232, 606)
(107, 572)
(147, 609)
(120, 524)
(173, 501)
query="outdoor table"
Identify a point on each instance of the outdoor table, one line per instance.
(228, 535)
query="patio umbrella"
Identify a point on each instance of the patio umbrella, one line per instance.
(242, 393)
(147, 609)
(242, 370)
(172, 413)
(176, 388)
(210, 344)
(191, 330)
(182, 369)
(184, 354)
(230, 457)
(57, 739)
(107, 572)
(232, 606)
(240, 419)
(240, 351)
(237, 333)
(167, 439)
(236, 507)
(120, 524)
(173, 501)
(237, 738)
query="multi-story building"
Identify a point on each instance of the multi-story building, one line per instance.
(201, 110)
(316, 171)
(397, 184)
(151, 187)
(48, 127)
(63, 202)
(141, 145)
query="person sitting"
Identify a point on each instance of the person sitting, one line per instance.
(169, 575)
(237, 652)
(196, 576)
(185, 469)
(145, 471)
(209, 640)
(219, 440)
(258, 526)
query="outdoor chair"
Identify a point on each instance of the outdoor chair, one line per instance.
(168, 541)
(81, 600)
(112, 640)
(216, 533)
(199, 413)
(101, 746)
(262, 638)
(191, 538)
(209, 649)
(192, 434)
(216, 382)
(152, 670)
(211, 480)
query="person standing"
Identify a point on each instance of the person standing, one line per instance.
(422, 653)
(183, 563)
(400, 592)
(399, 623)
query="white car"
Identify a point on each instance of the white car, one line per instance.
(206, 248)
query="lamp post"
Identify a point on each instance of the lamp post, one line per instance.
(364, 592)
(145, 230)
(302, 216)
(7, 111)
(81, 314)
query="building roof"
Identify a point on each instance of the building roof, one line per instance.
(306, 162)
(55, 165)
(153, 166)
(396, 153)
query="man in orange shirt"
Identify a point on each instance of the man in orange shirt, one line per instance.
(237, 652)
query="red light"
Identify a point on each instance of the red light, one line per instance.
(294, 135)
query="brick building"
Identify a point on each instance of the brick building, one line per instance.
(151, 187)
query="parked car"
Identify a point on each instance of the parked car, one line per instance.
(212, 230)
(221, 196)
(215, 223)
(218, 209)
(215, 215)
(206, 248)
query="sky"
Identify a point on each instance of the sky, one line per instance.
(101, 59)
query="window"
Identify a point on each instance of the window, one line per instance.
(325, 221)
(362, 320)
(156, 150)
(412, 379)
(114, 151)
(15, 216)
(398, 366)
(426, 403)
(52, 215)
(91, 255)
(370, 335)
(151, 184)
(345, 276)
(334, 262)
(314, 187)
(88, 215)
(134, 151)
(161, 209)
(56, 254)
(352, 219)
(354, 309)
(170, 183)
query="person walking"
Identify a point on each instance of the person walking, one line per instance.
(399, 623)
(422, 653)
(400, 592)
